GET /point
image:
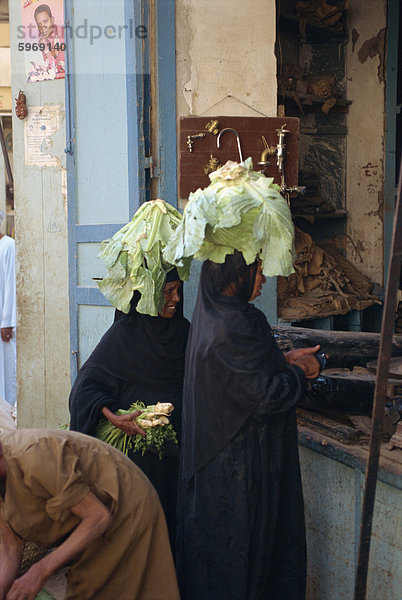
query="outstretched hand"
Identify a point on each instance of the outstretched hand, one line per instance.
(294, 355)
(305, 359)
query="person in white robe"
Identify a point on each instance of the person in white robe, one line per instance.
(8, 348)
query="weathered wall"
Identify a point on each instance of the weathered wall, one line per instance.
(42, 267)
(226, 48)
(365, 145)
(333, 496)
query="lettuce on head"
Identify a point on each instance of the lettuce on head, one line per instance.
(240, 210)
(133, 258)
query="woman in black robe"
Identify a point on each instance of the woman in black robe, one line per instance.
(240, 521)
(139, 358)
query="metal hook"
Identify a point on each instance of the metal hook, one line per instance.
(237, 138)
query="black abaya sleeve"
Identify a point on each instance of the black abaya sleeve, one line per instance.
(93, 389)
(283, 391)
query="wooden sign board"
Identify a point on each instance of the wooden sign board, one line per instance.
(251, 131)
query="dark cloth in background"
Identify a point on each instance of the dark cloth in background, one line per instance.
(139, 358)
(240, 520)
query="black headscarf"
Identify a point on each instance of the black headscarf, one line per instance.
(233, 273)
(230, 359)
(137, 349)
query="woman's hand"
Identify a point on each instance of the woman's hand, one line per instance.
(293, 356)
(310, 366)
(305, 359)
(126, 423)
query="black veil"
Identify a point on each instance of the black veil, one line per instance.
(137, 349)
(231, 356)
(234, 273)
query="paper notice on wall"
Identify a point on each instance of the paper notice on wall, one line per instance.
(41, 124)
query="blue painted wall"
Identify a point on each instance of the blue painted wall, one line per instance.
(108, 99)
(333, 494)
(105, 149)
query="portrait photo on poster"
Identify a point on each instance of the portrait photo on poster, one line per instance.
(41, 39)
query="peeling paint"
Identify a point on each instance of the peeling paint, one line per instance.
(355, 37)
(373, 47)
(63, 175)
(186, 66)
(365, 145)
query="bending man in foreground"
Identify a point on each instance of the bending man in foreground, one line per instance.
(103, 516)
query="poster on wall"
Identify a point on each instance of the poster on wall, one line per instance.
(42, 39)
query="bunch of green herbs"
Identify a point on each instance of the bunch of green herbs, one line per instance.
(155, 439)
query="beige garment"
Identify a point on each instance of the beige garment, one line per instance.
(7, 415)
(48, 472)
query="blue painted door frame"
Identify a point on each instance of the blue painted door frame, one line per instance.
(107, 133)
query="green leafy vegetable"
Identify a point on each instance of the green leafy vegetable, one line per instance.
(240, 210)
(44, 595)
(156, 435)
(133, 258)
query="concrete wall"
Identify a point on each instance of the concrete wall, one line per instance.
(333, 495)
(366, 130)
(42, 268)
(226, 48)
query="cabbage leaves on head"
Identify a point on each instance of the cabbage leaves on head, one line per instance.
(240, 210)
(133, 258)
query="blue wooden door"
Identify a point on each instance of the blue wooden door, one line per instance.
(110, 168)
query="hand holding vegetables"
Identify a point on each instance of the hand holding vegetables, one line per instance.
(120, 429)
(126, 422)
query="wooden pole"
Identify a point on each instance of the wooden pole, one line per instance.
(380, 395)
